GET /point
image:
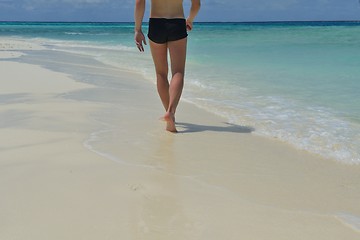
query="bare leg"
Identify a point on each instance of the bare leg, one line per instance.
(159, 54)
(177, 51)
(169, 93)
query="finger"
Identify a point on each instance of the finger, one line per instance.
(188, 27)
(139, 46)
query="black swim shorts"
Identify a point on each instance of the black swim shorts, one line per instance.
(162, 30)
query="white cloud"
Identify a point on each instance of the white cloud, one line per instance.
(5, 3)
(270, 5)
(66, 1)
(46, 3)
(84, 1)
(51, 4)
(212, 10)
(250, 4)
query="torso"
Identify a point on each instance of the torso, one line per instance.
(167, 9)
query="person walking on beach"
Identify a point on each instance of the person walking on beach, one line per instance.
(167, 33)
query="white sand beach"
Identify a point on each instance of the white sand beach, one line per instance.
(83, 161)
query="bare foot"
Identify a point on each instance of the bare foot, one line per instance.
(170, 122)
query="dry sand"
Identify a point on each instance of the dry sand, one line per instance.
(74, 165)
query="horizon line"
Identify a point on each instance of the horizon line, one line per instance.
(272, 21)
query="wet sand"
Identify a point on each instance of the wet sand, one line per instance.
(83, 155)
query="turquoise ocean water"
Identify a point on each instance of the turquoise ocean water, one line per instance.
(295, 81)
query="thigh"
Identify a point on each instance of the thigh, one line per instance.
(159, 55)
(177, 51)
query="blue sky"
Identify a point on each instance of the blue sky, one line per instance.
(212, 10)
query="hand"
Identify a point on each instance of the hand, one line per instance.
(139, 40)
(189, 24)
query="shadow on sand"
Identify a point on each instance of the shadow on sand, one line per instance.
(228, 127)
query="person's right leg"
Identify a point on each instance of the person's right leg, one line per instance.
(177, 50)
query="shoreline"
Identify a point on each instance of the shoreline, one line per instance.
(209, 181)
(241, 22)
(307, 125)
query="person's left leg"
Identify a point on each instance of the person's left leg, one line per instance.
(159, 55)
